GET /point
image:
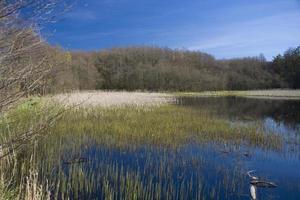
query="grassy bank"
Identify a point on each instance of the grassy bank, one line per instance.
(274, 94)
(21, 129)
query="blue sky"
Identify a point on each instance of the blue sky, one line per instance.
(224, 28)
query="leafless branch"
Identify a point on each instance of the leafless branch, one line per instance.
(26, 60)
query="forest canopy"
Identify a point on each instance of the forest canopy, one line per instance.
(164, 69)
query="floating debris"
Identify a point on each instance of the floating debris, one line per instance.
(247, 154)
(263, 184)
(253, 192)
(255, 183)
(76, 161)
(224, 152)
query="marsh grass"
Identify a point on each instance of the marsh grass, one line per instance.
(167, 125)
(20, 128)
(111, 174)
(39, 169)
(19, 180)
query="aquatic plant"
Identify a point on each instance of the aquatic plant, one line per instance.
(128, 152)
(165, 125)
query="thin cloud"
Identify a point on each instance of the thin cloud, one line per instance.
(81, 15)
(262, 32)
(222, 28)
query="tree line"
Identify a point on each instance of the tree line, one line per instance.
(164, 69)
(287, 67)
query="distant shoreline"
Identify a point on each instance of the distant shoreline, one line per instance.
(265, 94)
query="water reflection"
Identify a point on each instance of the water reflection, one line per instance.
(279, 115)
(191, 171)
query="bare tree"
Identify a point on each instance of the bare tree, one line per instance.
(25, 58)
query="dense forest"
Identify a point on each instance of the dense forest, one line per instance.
(163, 69)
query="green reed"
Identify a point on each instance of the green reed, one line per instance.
(123, 129)
(164, 126)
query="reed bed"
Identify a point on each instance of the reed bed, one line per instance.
(127, 152)
(113, 98)
(165, 125)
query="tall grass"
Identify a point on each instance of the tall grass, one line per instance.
(20, 128)
(167, 125)
(48, 168)
(19, 180)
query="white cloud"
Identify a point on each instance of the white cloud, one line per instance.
(260, 34)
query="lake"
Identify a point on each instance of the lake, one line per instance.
(101, 166)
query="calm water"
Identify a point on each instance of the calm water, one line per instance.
(206, 171)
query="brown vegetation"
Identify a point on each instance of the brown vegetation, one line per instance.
(163, 69)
